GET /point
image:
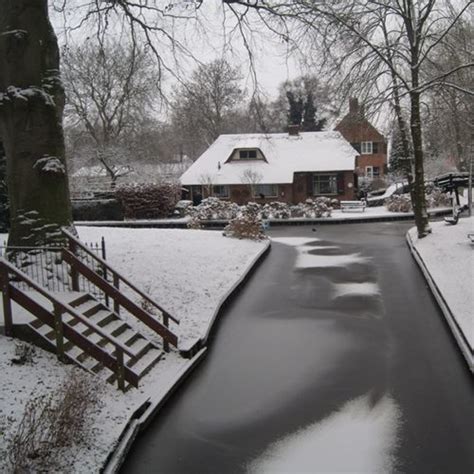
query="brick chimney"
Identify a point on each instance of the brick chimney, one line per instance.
(353, 106)
(293, 130)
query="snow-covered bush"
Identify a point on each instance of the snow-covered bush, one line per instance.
(51, 422)
(148, 200)
(248, 224)
(436, 198)
(398, 203)
(335, 204)
(214, 208)
(24, 353)
(318, 207)
(276, 210)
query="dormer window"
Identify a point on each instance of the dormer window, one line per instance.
(246, 154)
(250, 154)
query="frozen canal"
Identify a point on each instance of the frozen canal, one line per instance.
(334, 357)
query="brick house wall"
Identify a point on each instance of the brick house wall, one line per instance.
(355, 128)
(291, 193)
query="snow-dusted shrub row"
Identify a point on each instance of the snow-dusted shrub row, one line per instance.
(148, 200)
(402, 203)
(436, 198)
(214, 208)
(248, 224)
(398, 203)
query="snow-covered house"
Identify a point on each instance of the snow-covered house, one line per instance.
(274, 167)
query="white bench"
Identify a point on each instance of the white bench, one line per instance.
(353, 206)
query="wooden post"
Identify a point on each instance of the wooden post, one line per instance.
(166, 322)
(120, 369)
(117, 285)
(58, 331)
(7, 303)
(74, 272)
(104, 267)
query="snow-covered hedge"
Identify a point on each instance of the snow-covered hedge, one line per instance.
(399, 203)
(436, 198)
(148, 200)
(248, 224)
(214, 208)
(402, 203)
(276, 210)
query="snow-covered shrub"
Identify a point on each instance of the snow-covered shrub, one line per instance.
(214, 208)
(335, 204)
(24, 353)
(398, 203)
(148, 200)
(182, 207)
(318, 207)
(51, 422)
(276, 210)
(248, 224)
(436, 198)
(194, 223)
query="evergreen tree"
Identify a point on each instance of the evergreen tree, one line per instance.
(295, 110)
(310, 124)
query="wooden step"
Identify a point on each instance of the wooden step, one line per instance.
(146, 362)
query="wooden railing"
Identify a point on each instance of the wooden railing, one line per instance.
(62, 329)
(112, 289)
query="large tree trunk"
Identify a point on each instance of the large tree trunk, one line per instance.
(419, 200)
(31, 111)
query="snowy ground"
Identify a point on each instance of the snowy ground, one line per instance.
(449, 257)
(187, 271)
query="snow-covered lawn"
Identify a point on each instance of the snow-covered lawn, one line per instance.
(449, 258)
(189, 272)
(186, 271)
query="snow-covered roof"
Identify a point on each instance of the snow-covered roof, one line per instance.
(285, 154)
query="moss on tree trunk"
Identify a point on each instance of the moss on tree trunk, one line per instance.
(31, 112)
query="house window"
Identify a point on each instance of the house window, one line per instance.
(266, 190)
(324, 184)
(366, 148)
(372, 171)
(247, 154)
(220, 191)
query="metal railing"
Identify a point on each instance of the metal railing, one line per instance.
(45, 265)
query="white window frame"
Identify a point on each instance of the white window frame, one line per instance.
(273, 187)
(246, 151)
(225, 189)
(366, 148)
(332, 184)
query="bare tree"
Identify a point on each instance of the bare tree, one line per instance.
(110, 93)
(381, 49)
(251, 178)
(203, 107)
